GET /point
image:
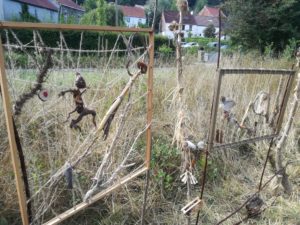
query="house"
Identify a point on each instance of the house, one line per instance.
(193, 26)
(69, 10)
(133, 16)
(203, 22)
(43, 10)
(211, 11)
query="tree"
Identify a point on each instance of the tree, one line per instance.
(210, 31)
(89, 5)
(111, 16)
(199, 5)
(26, 16)
(79, 2)
(96, 16)
(214, 2)
(254, 24)
(161, 6)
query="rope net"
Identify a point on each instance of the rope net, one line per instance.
(71, 157)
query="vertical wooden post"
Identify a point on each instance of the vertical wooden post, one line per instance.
(149, 120)
(150, 98)
(11, 139)
(212, 126)
(285, 100)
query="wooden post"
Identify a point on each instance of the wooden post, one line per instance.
(149, 120)
(212, 127)
(12, 140)
(150, 98)
(288, 88)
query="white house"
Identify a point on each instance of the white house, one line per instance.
(43, 10)
(193, 26)
(133, 16)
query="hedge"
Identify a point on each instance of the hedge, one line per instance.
(90, 39)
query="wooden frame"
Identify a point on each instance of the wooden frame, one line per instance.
(223, 72)
(9, 124)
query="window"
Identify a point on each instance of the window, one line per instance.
(183, 27)
(127, 19)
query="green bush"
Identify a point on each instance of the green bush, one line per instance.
(165, 50)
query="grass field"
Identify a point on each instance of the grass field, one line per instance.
(233, 174)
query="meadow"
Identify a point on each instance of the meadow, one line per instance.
(233, 174)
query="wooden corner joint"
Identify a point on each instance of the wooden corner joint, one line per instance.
(192, 206)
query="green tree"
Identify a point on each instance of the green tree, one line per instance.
(199, 5)
(255, 24)
(89, 5)
(96, 16)
(111, 16)
(26, 16)
(161, 6)
(214, 2)
(210, 31)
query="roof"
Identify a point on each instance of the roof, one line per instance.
(40, 3)
(206, 20)
(70, 4)
(133, 11)
(210, 11)
(171, 16)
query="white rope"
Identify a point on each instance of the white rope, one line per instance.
(70, 50)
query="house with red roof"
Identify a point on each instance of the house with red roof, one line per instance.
(133, 16)
(47, 11)
(193, 26)
(211, 11)
(69, 10)
(43, 10)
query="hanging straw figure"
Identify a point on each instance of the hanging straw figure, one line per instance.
(261, 105)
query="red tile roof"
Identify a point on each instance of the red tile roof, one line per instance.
(171, 16)
(70, 4)
(133, 11)
(206, 20)
(210, 11)
(40, 3)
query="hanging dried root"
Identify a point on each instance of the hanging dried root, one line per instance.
(41, 78)
(108, 123)
(254, 206)
(140, 65)
(80, 109)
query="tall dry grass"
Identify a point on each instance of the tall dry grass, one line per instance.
(233, 173)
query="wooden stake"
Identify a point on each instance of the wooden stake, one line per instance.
(150, 99)
(12, 140)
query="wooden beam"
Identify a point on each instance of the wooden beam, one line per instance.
(12, 140)
(150, 99)
(79, 207)
(284, 102)
(65, 27)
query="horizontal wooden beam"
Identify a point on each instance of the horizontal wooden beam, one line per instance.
(259, 71)
(58, 219)
(62, 27)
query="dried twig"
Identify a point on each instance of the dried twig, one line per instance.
(41, 78)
